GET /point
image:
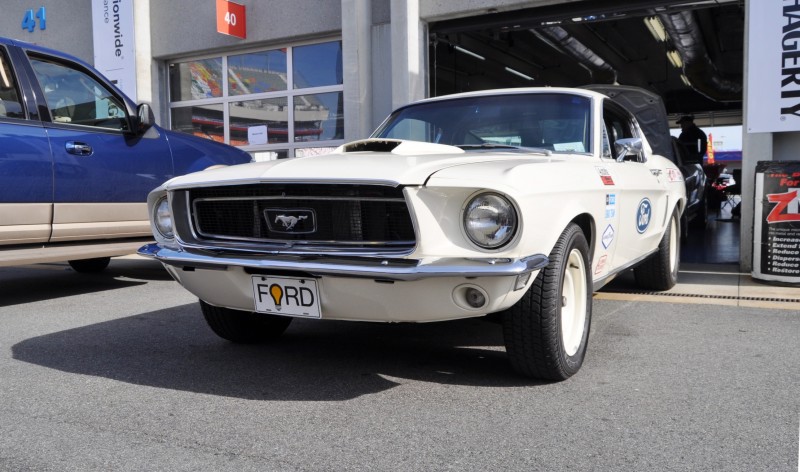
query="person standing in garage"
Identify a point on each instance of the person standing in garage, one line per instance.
(692, 138)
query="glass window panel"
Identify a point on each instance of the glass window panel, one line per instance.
(257, 72)
(271, 155)
(195, 80)
(318, 117)
(317, 65)
(313, 151)
(204, 121)
(256, 122)
(10, 104)
(76, 97)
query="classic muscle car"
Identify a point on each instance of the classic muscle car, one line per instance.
(517, 201)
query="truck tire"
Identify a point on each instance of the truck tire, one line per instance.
(90, 266)
(546, 332)
(660, 270)
(244, 326)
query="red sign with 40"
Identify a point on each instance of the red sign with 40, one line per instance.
(231, 19)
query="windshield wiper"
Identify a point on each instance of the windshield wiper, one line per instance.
(487, 146)
(546, 152)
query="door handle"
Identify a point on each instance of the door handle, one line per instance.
(79, 149)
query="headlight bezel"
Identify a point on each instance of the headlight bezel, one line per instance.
(162, 211)
(504, 206)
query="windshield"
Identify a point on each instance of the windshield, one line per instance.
(550, 121)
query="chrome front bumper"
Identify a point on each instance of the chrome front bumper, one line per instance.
(372, 268)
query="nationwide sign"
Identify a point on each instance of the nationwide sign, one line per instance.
(114, 43)
(773, 101)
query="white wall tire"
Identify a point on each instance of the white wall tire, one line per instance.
(546, 333)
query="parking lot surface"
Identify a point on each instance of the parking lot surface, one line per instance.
(118, 371)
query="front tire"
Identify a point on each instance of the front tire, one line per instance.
(244, 326)
(546, 332)
(660, 270)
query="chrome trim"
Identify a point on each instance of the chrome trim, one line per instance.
(372, 268)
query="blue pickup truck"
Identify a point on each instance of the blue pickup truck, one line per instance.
(77, 160)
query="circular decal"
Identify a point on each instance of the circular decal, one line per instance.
(643, 215)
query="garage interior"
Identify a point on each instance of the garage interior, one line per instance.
(691, 53)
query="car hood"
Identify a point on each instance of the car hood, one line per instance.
(372, 161)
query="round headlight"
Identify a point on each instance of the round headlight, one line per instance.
(162, 218)
(490, 220)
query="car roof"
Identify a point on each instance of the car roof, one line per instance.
(41, 49)
(512, 91)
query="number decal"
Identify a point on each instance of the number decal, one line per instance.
(41, 14)
(29, 21)
(230, 18)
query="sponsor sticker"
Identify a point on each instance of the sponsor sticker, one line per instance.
(674, 175)
(643, 213)
(611, 205)
(601, 264)
(605, 176)
(608, 236)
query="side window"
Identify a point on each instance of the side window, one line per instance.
(618, 126)
(10, 105)
(74, 96)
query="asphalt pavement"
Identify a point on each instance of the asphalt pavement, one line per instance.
(118, 371)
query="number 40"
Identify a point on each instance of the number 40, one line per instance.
(29, 22)
(230, 18)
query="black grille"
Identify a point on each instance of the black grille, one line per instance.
(353, 215)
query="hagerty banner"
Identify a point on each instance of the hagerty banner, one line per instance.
(773, 96)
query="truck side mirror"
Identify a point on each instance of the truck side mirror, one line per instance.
(144, 118)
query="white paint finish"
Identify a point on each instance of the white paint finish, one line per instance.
(24, 223)
(82, 221)
(40, 255)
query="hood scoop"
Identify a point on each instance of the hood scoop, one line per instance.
(399, 147)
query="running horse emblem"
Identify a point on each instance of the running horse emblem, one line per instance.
(289, 222)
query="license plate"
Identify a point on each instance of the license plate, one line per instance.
(287, 296)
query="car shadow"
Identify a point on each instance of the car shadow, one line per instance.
(313, 361)
(31, 283)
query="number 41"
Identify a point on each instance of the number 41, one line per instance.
(29, 23)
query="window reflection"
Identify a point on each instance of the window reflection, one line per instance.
(257, 122)
(204, 121)
(257, 72)
(194, 80)
(271, 155)
(317, 65)
(318, 117)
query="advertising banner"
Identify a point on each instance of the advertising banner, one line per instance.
(114, 46)
(773, 100)
(776, 236)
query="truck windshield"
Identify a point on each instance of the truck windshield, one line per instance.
(557, 122)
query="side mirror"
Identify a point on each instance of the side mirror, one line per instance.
(144, 118)
(628, 147)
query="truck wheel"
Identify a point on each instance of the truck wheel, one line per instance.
(243, 326)
(88, 266)
(660, 270)
(547, 330)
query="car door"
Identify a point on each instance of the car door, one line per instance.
(26, 164)
(641, 192)
(102, 174)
